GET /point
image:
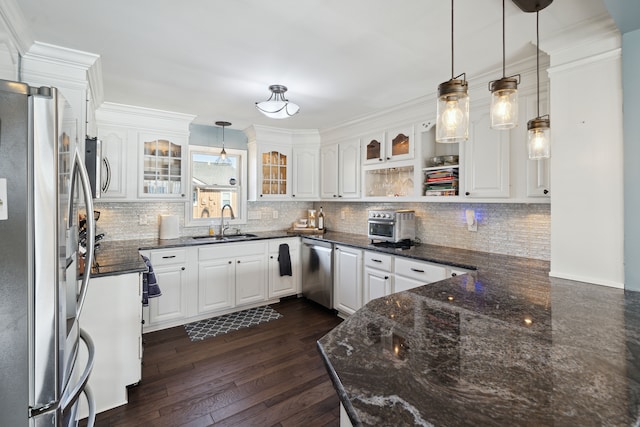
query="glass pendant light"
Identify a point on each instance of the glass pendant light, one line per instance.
(277, 106)
(223, 153)
(538, 129)
(452, 123)
(504, 93)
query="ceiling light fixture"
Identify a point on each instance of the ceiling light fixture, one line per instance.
(504, 93)
(223, 153)
(452, 123)
(277, 106)
(539, 129)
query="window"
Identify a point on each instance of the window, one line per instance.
(214, 183)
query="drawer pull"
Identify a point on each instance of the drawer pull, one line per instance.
(454, 274)
(183, 268)
(376, 260)
(417, 270)
(168, 256)
(386, 277)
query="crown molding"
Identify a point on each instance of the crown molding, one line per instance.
(16, 25)
(109, 113)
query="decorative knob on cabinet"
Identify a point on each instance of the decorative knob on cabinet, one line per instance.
(182, 269)
(454, 274)
(546, 191)
(467, 194)
(380, 159)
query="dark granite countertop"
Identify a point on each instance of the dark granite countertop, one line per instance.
(503, 345)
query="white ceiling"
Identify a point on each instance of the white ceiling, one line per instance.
(340, 59)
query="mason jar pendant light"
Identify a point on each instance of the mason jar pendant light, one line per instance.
(452, 122)
(538, 129)
(504, 93)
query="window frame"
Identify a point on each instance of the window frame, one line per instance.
(242, 185)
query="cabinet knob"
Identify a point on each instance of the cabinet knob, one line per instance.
(340, 195)
(388, 158)
(182, 195)
(380, 159)
(546, 191)
(454, 274)
(229, 262)
(261, 195)
(271, 257)
(293, 195)
(335, 195)
(386, 277)
(467, 194)
(182, 269)
(238, 261)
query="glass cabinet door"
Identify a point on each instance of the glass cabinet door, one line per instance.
(162, 168)
(274, 166)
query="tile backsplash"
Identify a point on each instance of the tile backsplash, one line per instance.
(505, 228)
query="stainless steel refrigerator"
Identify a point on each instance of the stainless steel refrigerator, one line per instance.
(43, 192)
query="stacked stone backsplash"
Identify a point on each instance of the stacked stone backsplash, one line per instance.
(121, 220)
(512, 229)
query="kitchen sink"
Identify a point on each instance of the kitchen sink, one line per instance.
(227, 238)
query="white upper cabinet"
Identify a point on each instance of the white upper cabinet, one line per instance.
(114, 162)
(306, 173)
(283, 163)
(272, 178)
(163, 162)
(144, 151)
(340, 170)
(388, 146)
(486, 159)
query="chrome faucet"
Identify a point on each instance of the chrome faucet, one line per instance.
(222, 226)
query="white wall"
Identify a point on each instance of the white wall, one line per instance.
(631, 86)
(587, 200)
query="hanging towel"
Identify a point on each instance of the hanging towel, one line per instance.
(150, 288)
(284, 258)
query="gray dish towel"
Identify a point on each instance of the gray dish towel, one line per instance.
(284, 259)
(150, 288)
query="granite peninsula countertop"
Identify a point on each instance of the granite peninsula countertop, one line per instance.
(502, 346)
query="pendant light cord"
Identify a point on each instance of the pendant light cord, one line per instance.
(452, 39)
(504, 74)
(538, 61)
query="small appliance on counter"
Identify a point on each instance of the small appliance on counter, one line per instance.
(392, 228)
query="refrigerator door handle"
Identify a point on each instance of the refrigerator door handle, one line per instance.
(78, 167)
(71, 395)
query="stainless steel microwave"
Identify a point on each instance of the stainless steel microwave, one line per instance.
(94, 163)
(391, 226)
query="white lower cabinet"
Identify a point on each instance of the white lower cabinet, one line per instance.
(216, 285)
(169, 266)
(347, 279)
(281, 286)
(251, 279)
(112, 316)
(410, 273)
(231, 275)
(378, 277)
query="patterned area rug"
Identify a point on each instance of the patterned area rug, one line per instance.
(215, 326)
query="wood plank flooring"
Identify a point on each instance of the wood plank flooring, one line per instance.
(266, 375)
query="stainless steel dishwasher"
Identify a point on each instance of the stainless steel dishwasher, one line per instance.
(317, 271)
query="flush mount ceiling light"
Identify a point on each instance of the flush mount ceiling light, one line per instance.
(452, 123)
(277, 106)
(538, 129)
(504, 93)
(223, 153)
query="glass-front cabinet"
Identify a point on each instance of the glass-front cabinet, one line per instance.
(387, 146)
(274, 173)
(162, 167)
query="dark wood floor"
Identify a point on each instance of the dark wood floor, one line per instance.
(266, 375)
